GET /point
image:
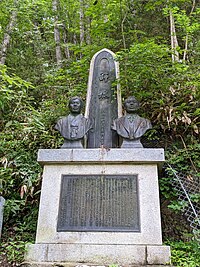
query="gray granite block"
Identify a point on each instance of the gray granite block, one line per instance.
(80, 255)
(2, 202)
(158, 255)
(66, 156)
(94, 254)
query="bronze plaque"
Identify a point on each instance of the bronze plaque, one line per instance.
(98, 203)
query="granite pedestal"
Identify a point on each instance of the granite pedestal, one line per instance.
(141, 246)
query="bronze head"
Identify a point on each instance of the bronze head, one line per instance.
(75, 105)
(131, 104)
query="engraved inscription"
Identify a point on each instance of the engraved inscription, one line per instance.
(103, 94)
(104, 76)
(98, 203)
(102, 123)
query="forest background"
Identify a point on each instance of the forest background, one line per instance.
(45, 52)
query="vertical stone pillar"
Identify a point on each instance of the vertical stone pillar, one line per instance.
(103, 103)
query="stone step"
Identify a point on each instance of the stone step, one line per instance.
(61, 264)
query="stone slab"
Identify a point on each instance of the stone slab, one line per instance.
(102, 104)
(2, 202)
(94, 254)
(158, 254)
(64, 264)
(99, 156)
(99, 254)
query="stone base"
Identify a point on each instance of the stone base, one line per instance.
(85, 162)
(97, 254)
(96, 248)
(75, 264)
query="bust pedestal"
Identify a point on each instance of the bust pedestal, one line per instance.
(68, 144)
(123, 180)
(130, 144)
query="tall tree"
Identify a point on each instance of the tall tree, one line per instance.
(174, 41)
(187, 35)
(7, 34)
(82, 33)
(55, 4)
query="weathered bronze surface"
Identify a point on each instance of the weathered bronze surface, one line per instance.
(98, 203)
(74, 126)
(103, 103)
(131, 127)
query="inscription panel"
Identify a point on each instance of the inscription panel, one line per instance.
(98, 203)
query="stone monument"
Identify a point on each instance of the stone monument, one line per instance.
(103, 99)
(100, 205)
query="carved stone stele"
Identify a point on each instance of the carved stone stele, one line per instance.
(103, 103)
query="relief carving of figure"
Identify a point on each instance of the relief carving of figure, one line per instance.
(131, 127)
(74, 126)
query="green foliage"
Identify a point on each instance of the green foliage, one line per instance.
(113, 265)
(166, 188)
(12, 91)
(142, 66)
(171, 101)
(19, 172)
(185, 158)
(185, 254)
(13, 244)
(178, 205)
(14, 251)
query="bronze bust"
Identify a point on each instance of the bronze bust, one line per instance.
(131, 127)
(74, 126)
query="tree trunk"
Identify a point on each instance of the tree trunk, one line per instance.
(186, 47)
(174, 41)
(66, 51)
(88, 36)
(81, 25)
(88, 28)
(187, 36)
(7, 35)
(57, 32)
